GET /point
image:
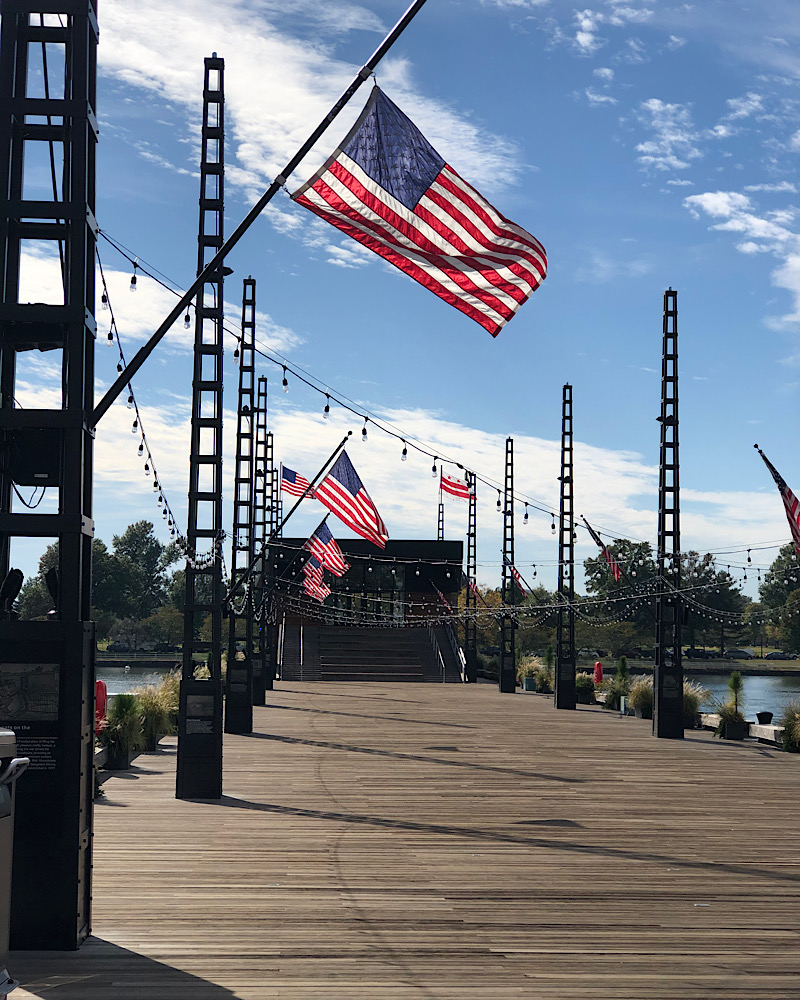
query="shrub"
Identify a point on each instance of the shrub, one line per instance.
(545, 678)
(122, 732)
(154, 706)
(640, 696)
(790, 720)
(527, 667)
(727, 711)
(488, 666)
(693, 697)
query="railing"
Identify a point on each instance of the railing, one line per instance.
(458, 652)
(436, 651)
(138, 657)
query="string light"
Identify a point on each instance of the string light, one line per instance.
(187, 320)
(433, 467)
(499, 502)
(525, 515)
(552, 526)
(285, 382)
(130, 401)
(119, 367)
(141, 449)
(364, 430)
(404, 455)
(135, 427)
(104, 301)
(133, 277)
(236, 355)
(327, 411)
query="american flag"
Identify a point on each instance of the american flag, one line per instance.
(790, 502)
(319, 591)
(475, 590)
(325, 547)
(455, 487)
(343, 493)
(388, 188)
(613, 565)
(441, 596)
(312, 568)
(517, 577)
(292, 482)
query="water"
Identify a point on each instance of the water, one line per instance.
(120, 680)
(762, 693)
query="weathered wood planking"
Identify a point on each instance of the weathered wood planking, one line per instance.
(446, 843)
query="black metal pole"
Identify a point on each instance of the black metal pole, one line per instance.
(507, 680)
(564, 688)
(470, 602)
(216, 261)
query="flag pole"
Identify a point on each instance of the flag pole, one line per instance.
(216, 261)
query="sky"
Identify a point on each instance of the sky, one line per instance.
(646, 145)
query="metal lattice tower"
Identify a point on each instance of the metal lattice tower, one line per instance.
(564, 696)
(470, 600)
(48, 74)
(239, 676)
(668, 673)
(262, 490)
(440, 522)
(508, 625)
(199, 769)
(274, 518)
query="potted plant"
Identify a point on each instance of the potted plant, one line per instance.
(640, 697)
(790, 720)
(732, 725)
(584, 689)
(155, 712)
(526, 674)
(122, 733)
(693, 697)
(617, 686)
(545, 678)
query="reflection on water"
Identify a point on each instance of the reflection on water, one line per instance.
(121, 680)
(761, 693)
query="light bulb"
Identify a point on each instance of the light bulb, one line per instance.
(119, 366)
(364, 430)
(285, 383)
(498, 500)
(553, 526)
(187, 320)
(130, 401)
(236, 356)
(135, 427)
(141, 450)
(525, 515)
(327, 410)
(110, 339)
(147, 468)
(404, 456)
(133, 280)
(433, 469)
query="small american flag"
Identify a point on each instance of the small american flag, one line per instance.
(442, 598)
(455, 487)
(318, 591)
(790, 502)
(613, 565)
(388, 188)
(517, 577)
(343, 493)
(325, 547)
(292, 482)
(312, 569)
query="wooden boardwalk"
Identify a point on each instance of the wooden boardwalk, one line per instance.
(444, 843)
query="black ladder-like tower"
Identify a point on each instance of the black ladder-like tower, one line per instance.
(668, 672)
(440, 523)
(239, 677)
(262, 489)
(564, 696)
(470, 600)
(508, 626)
(48, 75)
(199, 768)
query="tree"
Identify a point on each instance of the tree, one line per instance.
(638, 568)
(789, 629)
(144, 561)
(782, 578)
(34, 599)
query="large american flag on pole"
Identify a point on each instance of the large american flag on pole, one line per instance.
(613, 565)
(388, 188)
(343, 493)
(325, 547)
(790, 502)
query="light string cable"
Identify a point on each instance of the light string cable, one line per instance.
(145, 451)
(407, 440)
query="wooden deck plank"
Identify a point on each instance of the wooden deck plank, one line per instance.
(426, 841)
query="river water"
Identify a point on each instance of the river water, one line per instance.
(121, 680)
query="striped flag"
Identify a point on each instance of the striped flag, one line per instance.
(312, 569)
(388, 188)
(318, 591)
(292, 482)
(343, 493)
(441, 596)
(517, 577)
(613, 565)
(455, 487)
(475, 590)
(790, 502)
(325, 547)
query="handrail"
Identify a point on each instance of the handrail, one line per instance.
(458, 652)
(437, 652)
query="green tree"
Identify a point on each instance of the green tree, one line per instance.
(781, 579)
(789, 629)
(144, 561)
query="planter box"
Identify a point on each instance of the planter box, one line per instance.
(644, 713)
(117, 759)
(528, 683)
(734, 730)
(584, 697)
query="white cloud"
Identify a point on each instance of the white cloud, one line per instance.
(782, 186)
(604, 267)
(594, 98)
(680, 183)
(675, 42)
(604, 73)
(743, 107)
(674, 143)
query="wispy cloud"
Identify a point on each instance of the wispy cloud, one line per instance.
(674, 144)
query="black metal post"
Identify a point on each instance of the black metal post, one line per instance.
(239, 676)
(262, 489)
(668, 671)
(508, 624)
(199, 766)
(275, 517)
(470, 600)
(564, 696)
(440, 522)
(51, 661)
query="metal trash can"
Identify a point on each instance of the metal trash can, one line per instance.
(11, 767)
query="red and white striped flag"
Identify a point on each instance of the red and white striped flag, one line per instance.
(388, 188)
(790, 502)
(343, 493)
(325, 547)
(292, 482)
(318, 591)
(455, 487)
(613, 565)
(517, 577)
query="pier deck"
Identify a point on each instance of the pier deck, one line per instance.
(444, 843)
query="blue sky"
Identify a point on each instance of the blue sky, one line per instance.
(647, 145)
